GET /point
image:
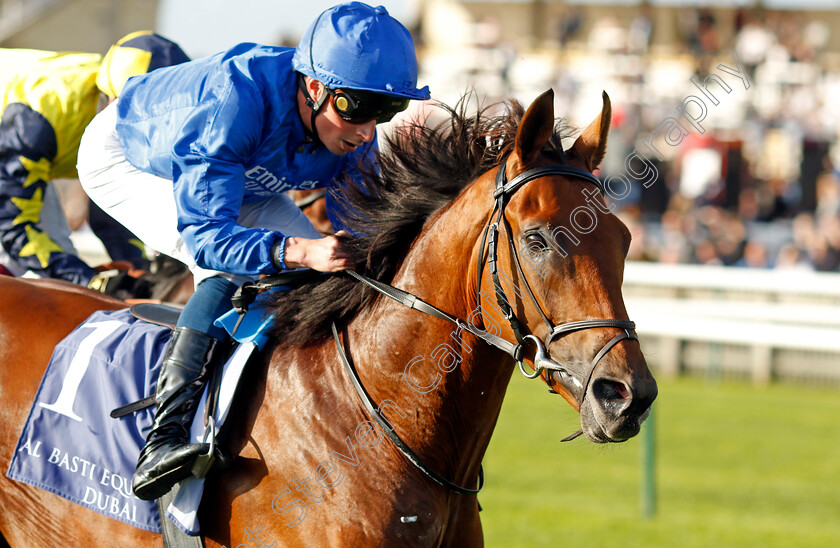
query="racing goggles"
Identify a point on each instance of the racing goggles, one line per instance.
(359, 107)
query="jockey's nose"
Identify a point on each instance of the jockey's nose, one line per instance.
(367, 130)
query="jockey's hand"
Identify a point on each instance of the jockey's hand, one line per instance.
(321, 254)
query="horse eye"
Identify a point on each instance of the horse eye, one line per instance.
(534, 240)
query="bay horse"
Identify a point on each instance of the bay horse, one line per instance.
(315, 466)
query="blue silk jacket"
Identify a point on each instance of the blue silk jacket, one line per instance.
(226, 130)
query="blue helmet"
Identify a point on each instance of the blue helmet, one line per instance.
(356, 46)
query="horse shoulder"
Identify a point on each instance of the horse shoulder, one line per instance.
(309, 455)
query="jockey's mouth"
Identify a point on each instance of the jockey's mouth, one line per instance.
(349, 145)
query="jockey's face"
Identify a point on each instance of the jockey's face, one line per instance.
(337, 134)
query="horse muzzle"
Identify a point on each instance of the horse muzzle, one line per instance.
(613, 409)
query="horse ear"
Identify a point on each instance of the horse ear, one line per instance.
(535, 129)
(592, 143)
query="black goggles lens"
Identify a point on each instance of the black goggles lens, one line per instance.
(358, 107)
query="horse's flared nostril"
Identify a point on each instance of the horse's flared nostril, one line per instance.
(613, 395)
(616, 407)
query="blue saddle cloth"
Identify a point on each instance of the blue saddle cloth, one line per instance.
(70, 445)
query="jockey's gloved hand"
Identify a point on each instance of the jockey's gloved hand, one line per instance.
(122, 284)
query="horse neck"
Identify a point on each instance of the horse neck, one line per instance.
(449, 415)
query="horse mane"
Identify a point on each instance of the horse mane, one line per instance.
(422, 168)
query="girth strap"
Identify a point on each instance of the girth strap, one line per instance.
(173, 536)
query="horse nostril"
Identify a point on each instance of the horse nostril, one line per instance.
(607, 389)
(613, 395)
(623, 392)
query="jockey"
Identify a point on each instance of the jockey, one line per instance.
(196, 160)
(48, 99)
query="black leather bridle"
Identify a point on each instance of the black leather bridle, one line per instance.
(504, 191)
(489, 241)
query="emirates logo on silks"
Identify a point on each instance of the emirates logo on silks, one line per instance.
(258, 180)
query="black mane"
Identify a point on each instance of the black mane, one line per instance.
(422, 168)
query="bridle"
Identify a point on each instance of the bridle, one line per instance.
(489, 241)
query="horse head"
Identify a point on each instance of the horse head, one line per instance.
(564, 263)
(489, 220)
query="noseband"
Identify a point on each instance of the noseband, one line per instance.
(504, 191)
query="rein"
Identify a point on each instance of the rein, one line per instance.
(307, 201)
(389, 430)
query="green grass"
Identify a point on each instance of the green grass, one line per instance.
(736, 466)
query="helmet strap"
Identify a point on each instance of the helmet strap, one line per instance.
(315, 106)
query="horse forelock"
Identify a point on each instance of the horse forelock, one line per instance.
(422, 169)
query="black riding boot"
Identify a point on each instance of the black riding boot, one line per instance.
(168, 456)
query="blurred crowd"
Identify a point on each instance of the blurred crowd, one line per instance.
(765, 194)
(760, 188)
